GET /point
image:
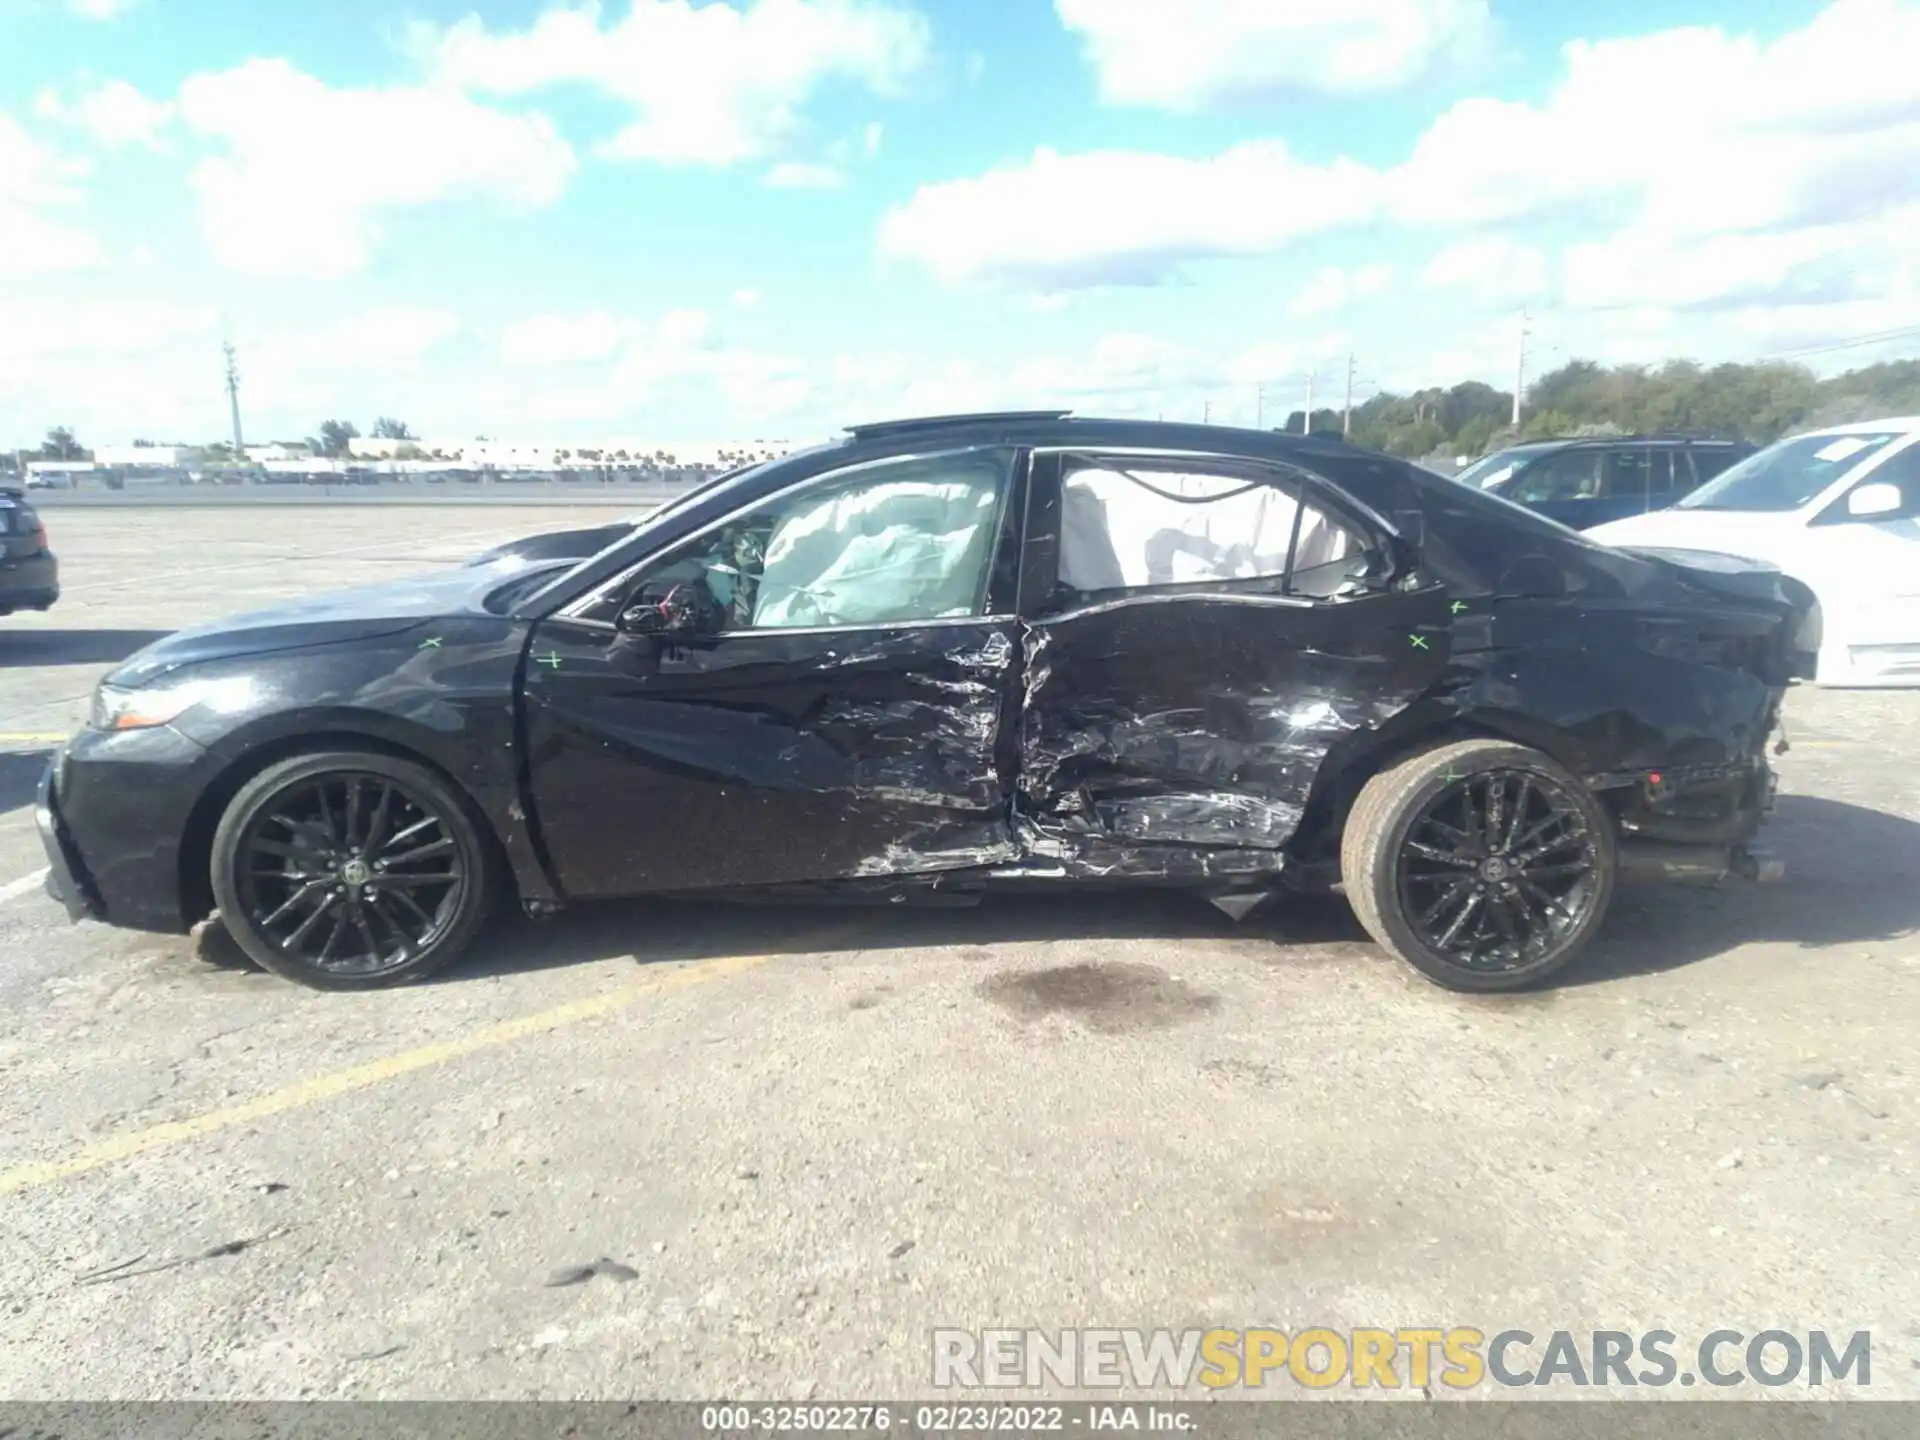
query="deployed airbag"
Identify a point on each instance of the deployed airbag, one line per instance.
(906, 550)
(1124, 531)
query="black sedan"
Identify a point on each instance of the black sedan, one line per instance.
(953, 656)
(29, 574)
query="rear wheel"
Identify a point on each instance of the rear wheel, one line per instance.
(1484, 864)
(350, 871)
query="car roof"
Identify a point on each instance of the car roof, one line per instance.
(1552, 442)
(1896, 424)
(1063, 429)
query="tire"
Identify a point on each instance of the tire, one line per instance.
(1509, 936)
(296, 856)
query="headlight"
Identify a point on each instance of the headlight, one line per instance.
(142, 709)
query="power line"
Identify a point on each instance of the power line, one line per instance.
(1851, 342)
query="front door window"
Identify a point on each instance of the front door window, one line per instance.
(890, 543)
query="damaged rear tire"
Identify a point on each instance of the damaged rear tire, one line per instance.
(1484, 864)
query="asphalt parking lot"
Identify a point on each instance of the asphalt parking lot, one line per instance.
(812, 1135)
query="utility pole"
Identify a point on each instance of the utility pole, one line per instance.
(1206, 412)
(1306, 421)
(1346, 415)
(1260, 408)
(1520, 371)
(233, 400)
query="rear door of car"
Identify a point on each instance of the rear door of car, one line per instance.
(1201, 632)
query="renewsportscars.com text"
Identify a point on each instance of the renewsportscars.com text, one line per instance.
(1455, 1358)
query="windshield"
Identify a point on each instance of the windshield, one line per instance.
(1491, 469)
(1787, 475)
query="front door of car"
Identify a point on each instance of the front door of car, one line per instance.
(812, 689)
(1203, 634)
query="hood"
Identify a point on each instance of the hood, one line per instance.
(341, 615)
(1763, 534)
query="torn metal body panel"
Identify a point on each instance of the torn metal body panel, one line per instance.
(1155, 733)
(786, 755)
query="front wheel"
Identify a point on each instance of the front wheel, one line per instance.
(1484, 864)
(350, 871)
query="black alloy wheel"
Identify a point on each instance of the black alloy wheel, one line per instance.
(1483, 863)
(350, 871)
(1497, 869)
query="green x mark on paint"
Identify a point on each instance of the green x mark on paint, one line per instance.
(431, 643)
(551, 661)
(1458, 606)
(1419, 641)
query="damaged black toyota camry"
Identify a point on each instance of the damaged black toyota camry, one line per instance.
(953, 656)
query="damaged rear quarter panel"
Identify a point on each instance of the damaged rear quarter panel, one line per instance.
(1170, 733)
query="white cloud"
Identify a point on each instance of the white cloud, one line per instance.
(115, 114)
(710, 84)
(1492, 268)
(289, 137)
(394, 337)
(100, 9)
(40, 332)
(115, 369)
(1638, 267)
(871, 137)
(1814, 130)
(1819, 125)
(617, 366)
(746, 299)
(1183, 54)
(1335, 289)
(36, 185)
(561, 339)
(800, 175)
(1123, 217)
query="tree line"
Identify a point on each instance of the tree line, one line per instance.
(1759, 403)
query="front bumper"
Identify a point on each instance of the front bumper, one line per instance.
(112, 815)
(65, 873)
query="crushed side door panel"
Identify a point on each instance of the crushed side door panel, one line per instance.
(1182, 734)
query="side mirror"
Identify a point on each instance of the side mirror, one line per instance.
(1874, 499)
(679, 607)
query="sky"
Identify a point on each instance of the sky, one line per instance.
(734, 220)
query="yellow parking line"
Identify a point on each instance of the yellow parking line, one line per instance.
(34, 737)
(359, 1077)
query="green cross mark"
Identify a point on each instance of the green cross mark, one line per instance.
(432, 643)
(1419, 641)
(1458, 606)
(552, 661)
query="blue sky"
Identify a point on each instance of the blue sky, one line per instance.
(766, 218)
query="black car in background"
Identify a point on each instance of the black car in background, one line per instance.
(955, 656)
(29, 574)
(1587, 482)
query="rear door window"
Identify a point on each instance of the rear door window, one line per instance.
(1635, 473)
(1131, 527)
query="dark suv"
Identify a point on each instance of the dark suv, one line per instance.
(1587, 482)
(29, 575)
